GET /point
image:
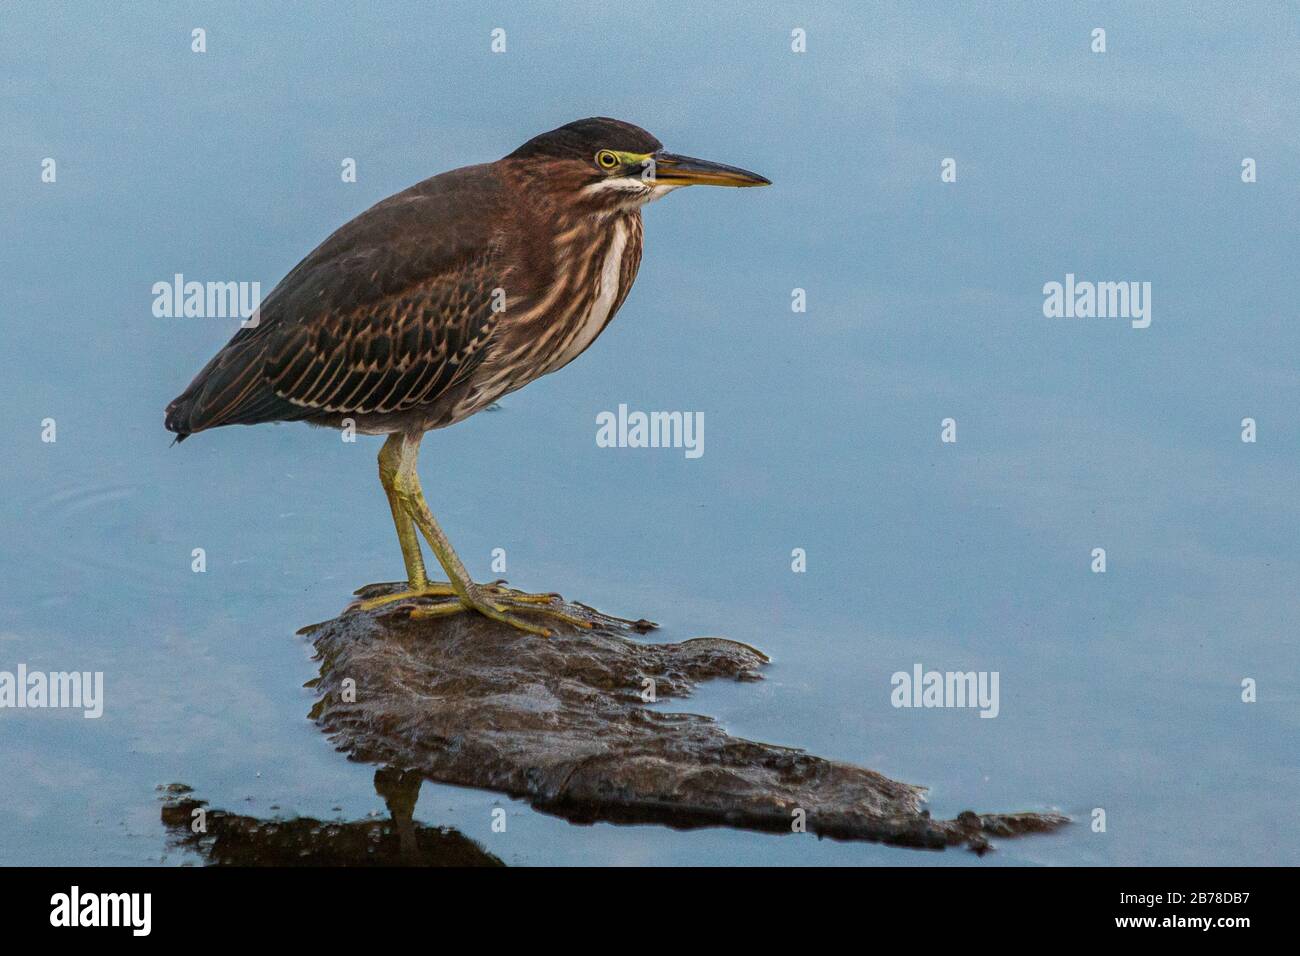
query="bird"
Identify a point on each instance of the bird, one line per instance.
(439, 300)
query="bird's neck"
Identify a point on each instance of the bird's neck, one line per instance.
(574, 231)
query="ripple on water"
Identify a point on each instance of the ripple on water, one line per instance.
(96, 528)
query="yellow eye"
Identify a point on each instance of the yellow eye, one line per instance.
(605, 159)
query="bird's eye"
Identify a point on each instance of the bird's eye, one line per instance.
(605, 159)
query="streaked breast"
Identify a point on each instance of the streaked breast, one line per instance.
(599, 305)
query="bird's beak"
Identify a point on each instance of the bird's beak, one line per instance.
(673, 170)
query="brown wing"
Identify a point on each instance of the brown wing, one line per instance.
(385, 315)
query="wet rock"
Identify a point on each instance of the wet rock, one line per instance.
(562, 723)
(231, 839)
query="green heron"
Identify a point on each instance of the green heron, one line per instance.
(434, 303)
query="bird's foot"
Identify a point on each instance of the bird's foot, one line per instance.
(493, 600)
(370, 599)
(429, 589)
(498, 589)
(557, 604)
(504, 604)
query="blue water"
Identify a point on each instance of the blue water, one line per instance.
(1120, 691)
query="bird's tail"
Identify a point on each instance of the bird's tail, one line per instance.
(177, 417)
(216, 392)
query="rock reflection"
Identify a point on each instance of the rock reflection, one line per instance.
(231, 839)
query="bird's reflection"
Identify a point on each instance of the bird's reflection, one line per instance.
(222, 838)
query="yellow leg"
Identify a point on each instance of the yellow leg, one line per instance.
(400, 455)
(418, 584)
(406, 535)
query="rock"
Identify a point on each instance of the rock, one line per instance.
(561, 723)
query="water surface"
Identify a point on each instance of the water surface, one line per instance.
(1119, 691)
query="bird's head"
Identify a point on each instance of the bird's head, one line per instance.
(606, 165)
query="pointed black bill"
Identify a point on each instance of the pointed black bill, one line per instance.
(673, 170)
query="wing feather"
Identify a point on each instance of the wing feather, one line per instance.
(385, 315)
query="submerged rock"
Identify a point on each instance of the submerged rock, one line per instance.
(564, 724)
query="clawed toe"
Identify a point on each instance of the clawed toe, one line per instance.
(475, 603)
(494, 600)
(429, 590)
(531, 603)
